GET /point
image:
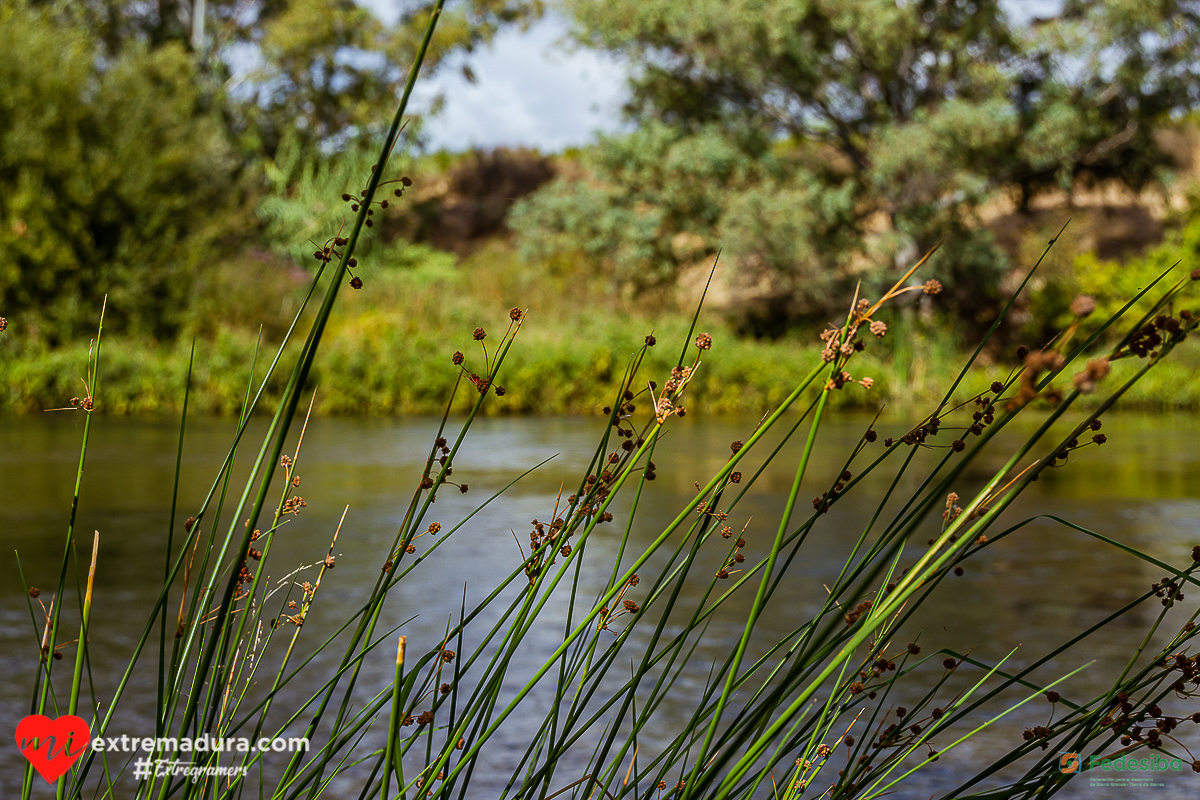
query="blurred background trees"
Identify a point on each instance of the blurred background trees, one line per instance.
(161, 151)
(137, 138)
(817, 140)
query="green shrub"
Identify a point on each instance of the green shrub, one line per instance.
(118, 178)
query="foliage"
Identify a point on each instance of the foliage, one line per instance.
(801, 705)
(916, 112)
(1108, 281)
(117, 177)
(661, 198)
(386, 350)
(228, 638)
(321, 66)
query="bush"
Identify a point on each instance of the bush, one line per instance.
(117, 175)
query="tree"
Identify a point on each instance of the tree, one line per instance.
(921, 110)
(117, 178)
(323, 68)
(128, 155)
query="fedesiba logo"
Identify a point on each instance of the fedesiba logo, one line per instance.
(1070, 763)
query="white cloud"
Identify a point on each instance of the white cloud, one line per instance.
(532, 89)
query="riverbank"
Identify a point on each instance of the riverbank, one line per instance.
(399, 362)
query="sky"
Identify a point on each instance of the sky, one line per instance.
(532, 89)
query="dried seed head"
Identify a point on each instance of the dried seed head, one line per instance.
(330, 562)
(356, 282)
(457, 358)
(651, 341)
(1083, 305)
(34, 592)
(879, 329)
(704, 341)
(931, 287)
(515, 314)
(479, 334)
(3, 324)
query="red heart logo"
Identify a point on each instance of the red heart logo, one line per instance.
(52, 745)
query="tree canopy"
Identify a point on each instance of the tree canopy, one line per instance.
(895, 118)
(134, 135)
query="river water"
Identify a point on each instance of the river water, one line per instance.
(1029, 592)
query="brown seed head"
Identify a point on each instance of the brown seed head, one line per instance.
(1083, 305)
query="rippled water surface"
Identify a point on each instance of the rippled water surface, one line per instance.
(1028, 592)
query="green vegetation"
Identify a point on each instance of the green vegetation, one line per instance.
(814, 703)
(816, 142)
(141, 164)
(388, 346)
